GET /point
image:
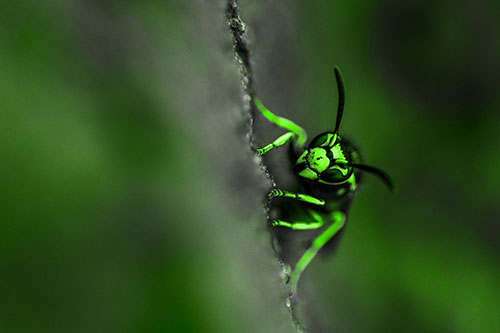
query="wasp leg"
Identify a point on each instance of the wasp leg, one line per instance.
(297, 196)
(283, 122)
(318, 222)
(338, 222)
(276, 143)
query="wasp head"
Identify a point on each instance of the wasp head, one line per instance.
(326, 160)
(329, 160)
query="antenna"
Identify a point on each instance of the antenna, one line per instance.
(340, 86)
(379, 173)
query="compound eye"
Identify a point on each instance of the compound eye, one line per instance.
(332, 176)
(321, 140)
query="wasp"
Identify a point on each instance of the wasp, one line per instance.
(328, 171)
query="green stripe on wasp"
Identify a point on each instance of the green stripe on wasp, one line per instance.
(328, 172)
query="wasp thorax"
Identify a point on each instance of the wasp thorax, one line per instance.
(317, 159)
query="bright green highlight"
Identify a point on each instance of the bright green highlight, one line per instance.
(338, 154)
(298, 225)
(309, 174)
(276, 143)
(317, 159)
(338, 222)
(298, 196)
(317, 218)
(352, 182)
(282, 122)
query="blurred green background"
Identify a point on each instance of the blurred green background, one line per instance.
(130, 200)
